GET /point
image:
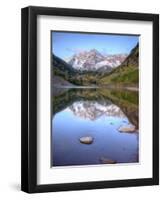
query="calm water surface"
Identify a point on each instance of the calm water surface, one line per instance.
(98, 113)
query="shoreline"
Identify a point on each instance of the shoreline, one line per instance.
(136, 89)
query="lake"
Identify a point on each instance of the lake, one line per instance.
(107, 117)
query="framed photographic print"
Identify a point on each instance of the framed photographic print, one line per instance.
(90, 99)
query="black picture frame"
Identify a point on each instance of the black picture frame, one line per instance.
(29, 98)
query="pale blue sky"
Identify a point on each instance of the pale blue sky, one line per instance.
(65, 44)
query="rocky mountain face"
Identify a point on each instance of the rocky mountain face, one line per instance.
(58, 81)
(93, 60)
(125, 74)
(60, 66)
(93, 68)
(62, 72)
(133, 58)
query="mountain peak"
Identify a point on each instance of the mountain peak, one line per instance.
(94, 51)
(93, 60)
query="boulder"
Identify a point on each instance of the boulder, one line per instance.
(127, 129)
(86, 140)
(107, 161)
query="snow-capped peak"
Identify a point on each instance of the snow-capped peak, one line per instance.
(93, 60)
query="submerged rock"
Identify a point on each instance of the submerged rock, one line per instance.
(107, 161)
(127, 129)
(86, 140)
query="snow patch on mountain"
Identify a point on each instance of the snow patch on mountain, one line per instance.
(93, 60)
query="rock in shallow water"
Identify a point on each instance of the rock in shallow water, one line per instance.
(127, 129)
(107, 161)
(86, 140)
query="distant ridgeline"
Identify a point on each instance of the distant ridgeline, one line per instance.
(92, 68)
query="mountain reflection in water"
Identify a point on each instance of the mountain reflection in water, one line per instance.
(97, 113)
(93, 110)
